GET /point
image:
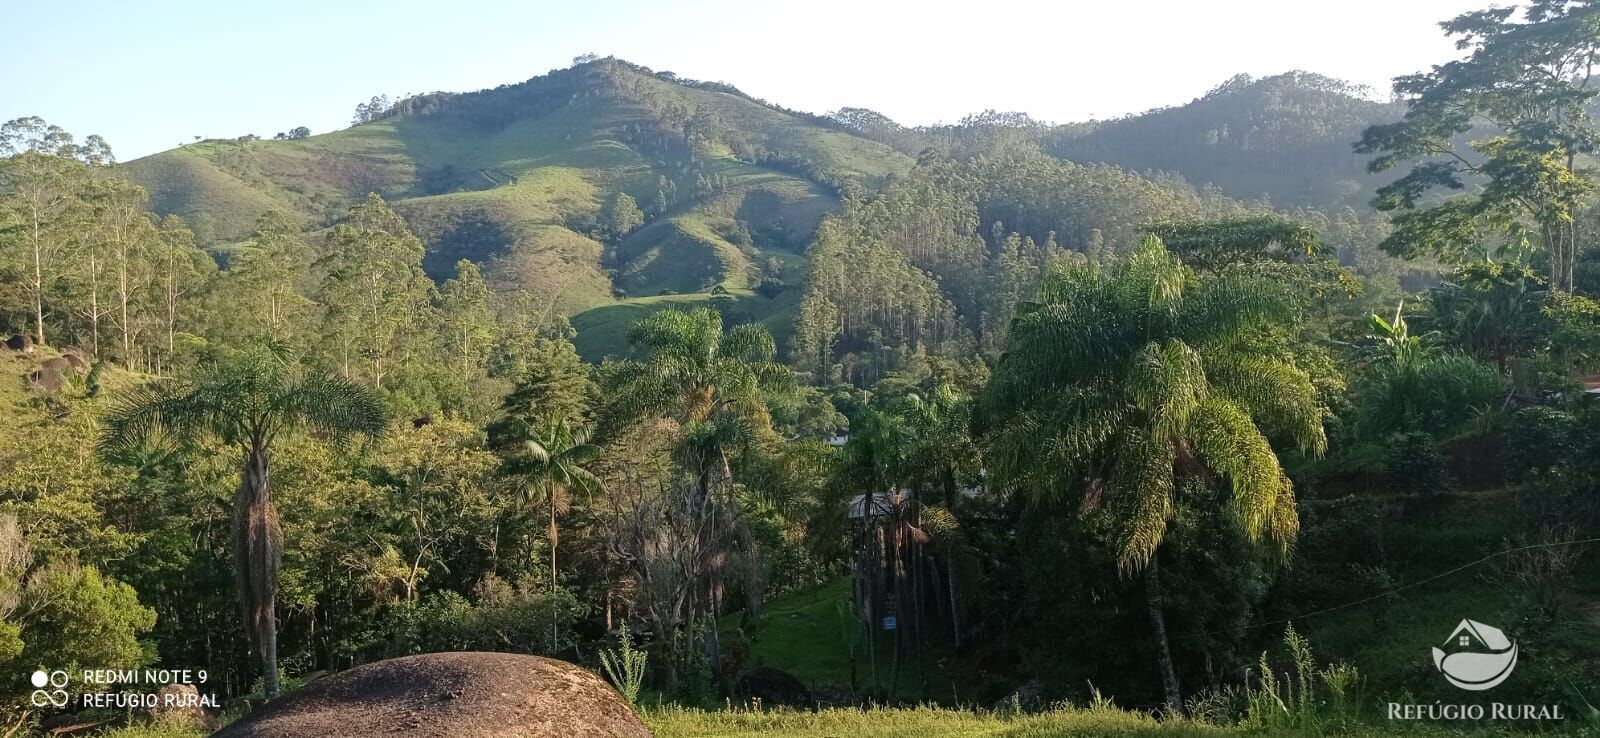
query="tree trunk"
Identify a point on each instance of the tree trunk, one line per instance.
(257, 552)
(38, 281)
(555, 633)
(1158, 624)
(269, 661)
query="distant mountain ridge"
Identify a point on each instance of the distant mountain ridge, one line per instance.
(1287, 137)
(516, 178)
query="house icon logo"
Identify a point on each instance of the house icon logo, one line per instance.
(1479, 656)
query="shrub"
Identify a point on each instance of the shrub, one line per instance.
(1304, 697)
(625, 666)
(1416, 465)
(511, 619)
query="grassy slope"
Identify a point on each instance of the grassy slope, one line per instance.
(516, 194)
(1389, 644)
(801, 632)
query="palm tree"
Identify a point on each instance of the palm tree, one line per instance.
(895, 455)
(1116, 387)
(248, 401)
(547, 455)
(713, 384)
(692, 369)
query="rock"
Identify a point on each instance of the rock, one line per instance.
(55, 364)
(46, 381)
(772, 687)
(1029, 697)
(20, 342)
(58, 723)
(465, 695)
(178, 704)
(77, 363)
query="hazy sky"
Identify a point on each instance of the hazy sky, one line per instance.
(149, 75)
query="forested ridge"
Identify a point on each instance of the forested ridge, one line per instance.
(1224, 413)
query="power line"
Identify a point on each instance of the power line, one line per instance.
(1397, 590)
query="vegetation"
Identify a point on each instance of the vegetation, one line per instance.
(787, 423)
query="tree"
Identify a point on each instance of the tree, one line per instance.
(266, 277)
(1525, 83)
(42, 173)
(248, 401)
(620, 216)
(554, 381)
(371, 110)
(1117, 389)
(896, 457)
(124, 243)
(546, 454)
(181, 267)
(1211, 246)
(1492, 310)
(298, 132)
(710, 385)
(468, 322)
(379, 302)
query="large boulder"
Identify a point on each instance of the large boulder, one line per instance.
(46, 381)
(772, 687)
(179, 705)
(465, 695)
(77, 363)
(20, 342)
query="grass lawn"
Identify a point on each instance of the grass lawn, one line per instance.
(927, 722)
(805, 635)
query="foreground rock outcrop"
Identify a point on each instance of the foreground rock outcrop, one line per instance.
(470, 695)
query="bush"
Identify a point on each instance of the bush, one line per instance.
(1303, 697)
(1539, 439)
(625, 666)
(504, 618)
(1416, 465)
(1438, 395)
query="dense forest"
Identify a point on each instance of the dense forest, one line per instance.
(1225, 412)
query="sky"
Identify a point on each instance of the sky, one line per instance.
(150, 75)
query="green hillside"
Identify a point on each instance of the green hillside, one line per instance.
(1288, 136)
(515, 178)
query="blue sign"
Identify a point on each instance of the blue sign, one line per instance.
(888, 623)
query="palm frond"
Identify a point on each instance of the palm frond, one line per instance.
(1229, 307)
(1228, 442)
(334, 407)
(1167, 381)
(750, 342)
(149, 413)
(1142, 484)
(1278, 395)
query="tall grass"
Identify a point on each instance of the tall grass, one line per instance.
(625, 666)
(1295, 695)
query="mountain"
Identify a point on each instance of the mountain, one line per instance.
(518, 179)
(524, 179)
(1287, 137)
